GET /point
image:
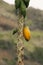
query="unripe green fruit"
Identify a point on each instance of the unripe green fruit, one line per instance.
(26, 2)
(23, 9)
(17, 3)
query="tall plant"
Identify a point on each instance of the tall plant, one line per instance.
(21, 6)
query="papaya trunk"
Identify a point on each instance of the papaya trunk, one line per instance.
(20, 45)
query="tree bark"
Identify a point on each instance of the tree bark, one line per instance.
(20, 45)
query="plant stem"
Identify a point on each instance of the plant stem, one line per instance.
(20, 45)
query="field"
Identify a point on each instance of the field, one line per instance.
(33, 48)
(33, 52)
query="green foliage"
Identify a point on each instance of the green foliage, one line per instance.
(15, 31)
(37, 55)
(22, 5)
(26, 2)
(17, 4)
(23, 9)
(9, 62)
(5, 44)
(31, 51)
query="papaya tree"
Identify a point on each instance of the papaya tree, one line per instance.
(21, 6)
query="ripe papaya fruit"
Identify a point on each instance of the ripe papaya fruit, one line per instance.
(26, 33)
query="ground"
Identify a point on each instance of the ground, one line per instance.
(33, 48)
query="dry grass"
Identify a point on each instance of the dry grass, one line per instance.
(33, 51)
(33, 48)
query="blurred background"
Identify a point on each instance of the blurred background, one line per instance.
(8, 22)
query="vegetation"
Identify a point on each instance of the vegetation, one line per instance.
(36, 18)
(9, 62)
(21, 5)
(33, 48)
(21, 9)
(26, 2)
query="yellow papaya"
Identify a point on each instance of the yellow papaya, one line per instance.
(26, 33)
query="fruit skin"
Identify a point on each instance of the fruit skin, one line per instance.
(26, 2)
(26, 33)
(23, 9)
(17, 3)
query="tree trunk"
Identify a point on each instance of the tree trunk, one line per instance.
(20, 45)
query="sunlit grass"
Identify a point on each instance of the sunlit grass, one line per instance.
(37, 33)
